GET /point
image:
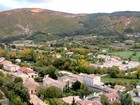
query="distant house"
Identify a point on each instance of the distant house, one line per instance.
(75, 77)
(7, 65)
(65, 49)
(88, 102)
(31, 85)
(56, 55)
(105, 57)
(2, 59)
(6, 62)
(112, 97)
(91, 79)
(67, 80)
(119, 88)
(69, 53)
(70, 99)
(27, 71)
(47, 82)
(18, 60)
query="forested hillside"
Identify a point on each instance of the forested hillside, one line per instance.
(43, 24)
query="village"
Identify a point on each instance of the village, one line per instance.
(92, 81)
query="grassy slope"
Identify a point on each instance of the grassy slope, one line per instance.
(126, 55)
(107, 79)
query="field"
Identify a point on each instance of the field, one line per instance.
(108, 79)
(126, 55)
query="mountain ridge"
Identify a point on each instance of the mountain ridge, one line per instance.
(35, 22)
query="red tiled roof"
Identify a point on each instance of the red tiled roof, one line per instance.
(96, 102)
(112, 95)
(84, 102)
(6, 62)
(119, 87)
(89, 76)
(26, 70)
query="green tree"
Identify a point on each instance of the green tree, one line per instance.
(41, 91)
(76, 85)
(128, 99)
(20, 90)
(125, 99)
(18, 79)
(1, 66)
(53, 92)
(113, 74)
(56, 101)
(1, 82)
(104, 100)
(51, 71)
(115, 103)
(136, 92)
(138, 72)
(133, 83)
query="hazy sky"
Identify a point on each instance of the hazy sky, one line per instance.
(74, 6)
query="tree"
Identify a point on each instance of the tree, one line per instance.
(122, 98)
(136, 92)
(104, 100)
(56, 101)
(115, 103)
(128, 99)
(41, 91)
(113, 75)
(53, 92)
(13, 46)
(20, 90)
(18, 79)
(76, 85)
(138, 72)
(1, 66)
(51, 71)
(59, 62)
(1, 82)
(133, 83)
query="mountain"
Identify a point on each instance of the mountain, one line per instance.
(113, 23)
(30, 22)
(44, 24)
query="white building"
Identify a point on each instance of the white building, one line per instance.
(11, 67)
(91, 79)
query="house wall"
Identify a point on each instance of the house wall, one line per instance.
(53, 84)
(32, 75)
(92, 81)
(11, 68)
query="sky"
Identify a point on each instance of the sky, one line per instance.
(74, 6)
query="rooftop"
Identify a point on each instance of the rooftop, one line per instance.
(26, 70)
(119, 87)
(86, 75)
(69, 99)
(30, 84)
(112, 95)
(36, 101)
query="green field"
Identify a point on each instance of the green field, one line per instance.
(108, 79)
(126, 55)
